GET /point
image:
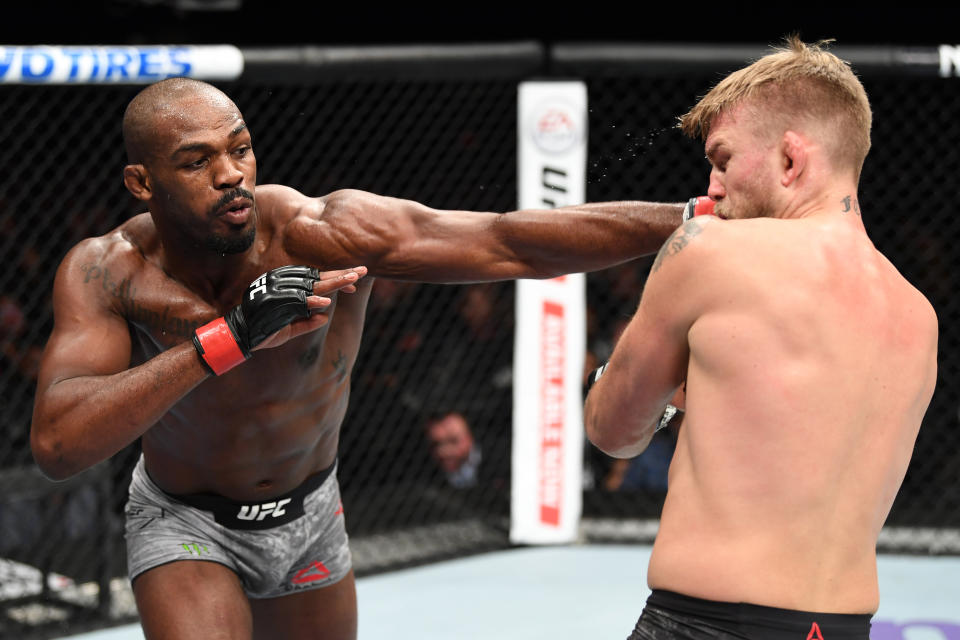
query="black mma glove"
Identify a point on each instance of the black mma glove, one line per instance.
(595, 375)
(270, 303)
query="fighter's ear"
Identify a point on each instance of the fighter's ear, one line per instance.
(137, 181)
(793, 156)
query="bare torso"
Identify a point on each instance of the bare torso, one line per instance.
(120, 364)
(810, 370)
(265, 426)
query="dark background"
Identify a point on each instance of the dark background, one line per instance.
(451, 144)
(319, 22)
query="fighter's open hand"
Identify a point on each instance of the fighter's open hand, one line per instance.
(327, 282)
(279, 305)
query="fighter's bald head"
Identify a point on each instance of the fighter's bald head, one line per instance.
(171, 98)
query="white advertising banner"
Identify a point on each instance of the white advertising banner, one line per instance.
(547, 453)
(117, 65)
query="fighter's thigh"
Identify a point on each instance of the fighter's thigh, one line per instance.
(192, 599)
(328, 613)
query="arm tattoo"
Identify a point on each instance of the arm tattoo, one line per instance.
(851, 204)
(677, 241)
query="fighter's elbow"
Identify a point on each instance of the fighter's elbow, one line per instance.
(48, 454)
(601, 438)
(615, 440)
(614, 447)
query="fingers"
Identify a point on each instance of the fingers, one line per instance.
(317, 304)
(338, 280)
(306, 325)
(331, 281)
(328, 283)
(294, 329)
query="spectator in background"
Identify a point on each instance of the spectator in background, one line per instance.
(467, 392)
(453, 448)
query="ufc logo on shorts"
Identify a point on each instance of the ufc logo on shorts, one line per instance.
(261, 511)
(258, 286)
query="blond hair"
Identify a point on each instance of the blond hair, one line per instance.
(796, 84)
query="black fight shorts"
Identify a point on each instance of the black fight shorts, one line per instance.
(672, 616)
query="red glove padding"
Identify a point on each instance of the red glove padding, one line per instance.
(217, 347)
(699, 206)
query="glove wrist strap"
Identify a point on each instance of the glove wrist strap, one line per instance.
(595, 375)
(217, 347)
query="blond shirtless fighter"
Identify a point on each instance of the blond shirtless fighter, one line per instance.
(808, 361)
(234, 508)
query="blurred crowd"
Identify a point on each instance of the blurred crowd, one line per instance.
(437, 364)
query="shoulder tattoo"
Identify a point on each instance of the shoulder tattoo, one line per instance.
(679, 239)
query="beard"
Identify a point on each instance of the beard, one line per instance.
(239, 240)
(745, 209)
(231, 244)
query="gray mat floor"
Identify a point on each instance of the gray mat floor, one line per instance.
(597, 592)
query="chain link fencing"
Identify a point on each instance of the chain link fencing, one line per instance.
(430, 352)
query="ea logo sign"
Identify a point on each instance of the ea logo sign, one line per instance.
(554, 127)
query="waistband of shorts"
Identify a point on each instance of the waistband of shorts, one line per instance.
(263, 514)
(759, 615)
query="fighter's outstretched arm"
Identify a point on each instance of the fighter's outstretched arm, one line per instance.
(406, 240)
(649, 363)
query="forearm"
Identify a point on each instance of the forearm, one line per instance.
(407, 240)
(620, 418)
(616, 438)
(81, 421)
(587, 237)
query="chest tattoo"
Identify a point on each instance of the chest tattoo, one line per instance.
(309, 357)
(160, 321)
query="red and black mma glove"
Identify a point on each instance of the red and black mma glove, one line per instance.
(699, 206)
(270, 303)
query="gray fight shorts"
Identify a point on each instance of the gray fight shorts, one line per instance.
(290, 543)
